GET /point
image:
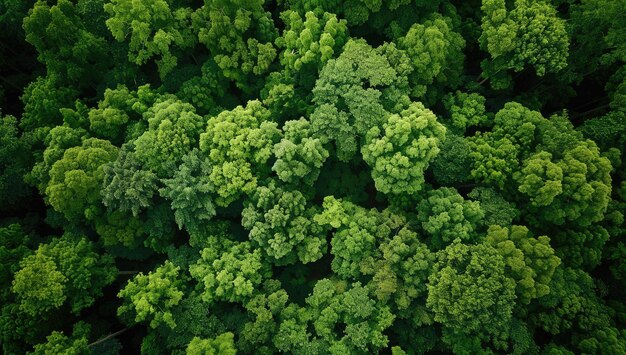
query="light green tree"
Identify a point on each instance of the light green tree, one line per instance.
(151, 297)
(402, 150)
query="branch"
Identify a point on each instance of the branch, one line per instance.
(108, 337)
(194, 59)
(465, 186)
(487, 77)
(586, 104)
(10, 83)
(583, 114)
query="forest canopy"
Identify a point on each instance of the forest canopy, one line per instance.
(313, 177)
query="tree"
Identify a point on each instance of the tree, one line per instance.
(66, 270)
(607, 131)
(238, 144)
(194, 319)
(353, 245)
(204, 91)
(57, 141)
(173, 131)
(530, 34)
(117, 227)
(126, 185)
(596, 27)
(450, 166)
(586, 187)
(498, 211)
(308, 43)
(541, 179)
(75, 179)
(286, 99)
(557, 175)
(222, 344)
(299, 156)
(65, 46)
(400, 156)
(43, 99)
(59, 343)
(14, 246)
(529, 261)
(355, 93)
(466, 110)
(151, 297)
(312, 176)
(446, 216)
(266, 311)
(581, 247)
(436, 54)
(571, 305)
(230, 272)
(281, 223)
(190, 192)
(239, 35)
(471, 296)
(15, 162)
(602, 341)
(357, 12)
(492, 162)
(118, 112)
(156, 29)
(160, 227)
(46, 285)
(332, 304)
(401, 274)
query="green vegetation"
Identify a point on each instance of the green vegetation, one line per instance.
(313, 177)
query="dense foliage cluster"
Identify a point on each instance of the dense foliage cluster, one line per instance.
(312, 177)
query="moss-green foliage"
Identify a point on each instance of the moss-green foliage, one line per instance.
(153, 29)
(471, 295)
(239, 34)
(339, 303)
(230, 272)
(222, 344)
(530, 261)
(76, 178)
(127, 186)
(556, 174)
(356, 92)
(281, 223)
(450, 166)
(498, 211)
(64, 43)
(466, 110)
(238, 144)
(66, 270)
(531, 34)
(436, 54)
(14, 246)
(445, 216)
(15, 162)
(401, 151)
(151, 297)
(190, 192)
(299, 156)
(173, 130)
(59, 343)
(308, 43)
(312, 176)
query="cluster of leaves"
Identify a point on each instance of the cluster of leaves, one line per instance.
(315, 177)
